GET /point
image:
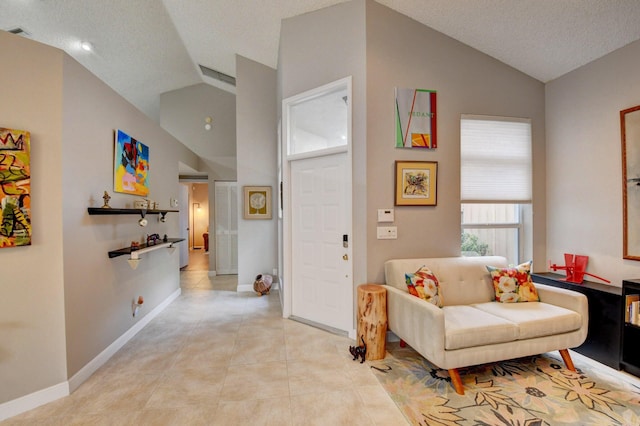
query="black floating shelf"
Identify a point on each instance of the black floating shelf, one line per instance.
(111, 211)
(128, 250)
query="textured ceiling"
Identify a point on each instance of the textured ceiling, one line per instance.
(147, 47)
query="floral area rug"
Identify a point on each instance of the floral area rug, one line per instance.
(532, 391)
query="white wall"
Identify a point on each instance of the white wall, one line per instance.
(584, 162)
(256, 116)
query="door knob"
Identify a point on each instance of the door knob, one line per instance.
(345, 257)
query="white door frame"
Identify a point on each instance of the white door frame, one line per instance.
(183, 223)
(286, 189)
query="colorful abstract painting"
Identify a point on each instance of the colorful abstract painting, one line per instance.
(416, 125)
(15, 188)
(131, 168)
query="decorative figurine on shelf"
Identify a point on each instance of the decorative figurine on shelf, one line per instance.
(262, 284)
(165, 238)
(135, 245)
(575, 267)
(106, 199)
(153, 239)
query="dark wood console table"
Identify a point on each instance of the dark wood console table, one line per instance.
(631, 332)
(603, 342)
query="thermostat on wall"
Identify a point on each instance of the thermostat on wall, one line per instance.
(385, 215)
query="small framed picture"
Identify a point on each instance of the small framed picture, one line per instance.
(416, 183)
(257, 202)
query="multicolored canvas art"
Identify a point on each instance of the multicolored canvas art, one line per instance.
(15, 188)
(416, 124)
(131, 168)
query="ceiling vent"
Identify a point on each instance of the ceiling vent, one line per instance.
(217, 75)
(19, 31)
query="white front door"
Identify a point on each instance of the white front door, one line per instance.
(321, 268)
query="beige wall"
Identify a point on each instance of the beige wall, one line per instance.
(98, 290)
(63, 301)
(321, 47)
(383, 49)
(256, 111)
(584, 166)
(181, 114)
(32, 326)
(404, 53)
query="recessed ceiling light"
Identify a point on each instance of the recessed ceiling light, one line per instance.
(85, 45)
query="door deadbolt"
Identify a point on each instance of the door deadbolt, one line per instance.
(345, 257)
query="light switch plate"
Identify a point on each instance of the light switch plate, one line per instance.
(387, 232)
(385, 215)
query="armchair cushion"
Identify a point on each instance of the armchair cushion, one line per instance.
(513, 284)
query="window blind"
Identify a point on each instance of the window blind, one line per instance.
(495, 159)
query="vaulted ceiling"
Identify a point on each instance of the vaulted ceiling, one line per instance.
(143, 48)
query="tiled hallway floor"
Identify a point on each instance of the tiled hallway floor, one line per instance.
(216, 357)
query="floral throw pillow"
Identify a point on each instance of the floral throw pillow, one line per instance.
(425, 285)
(514, 284)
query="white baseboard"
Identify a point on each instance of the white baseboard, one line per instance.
(92, 366)
(44, 396)
(244, 287)
(212, 273)
(33, 400)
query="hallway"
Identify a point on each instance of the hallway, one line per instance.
(217, 357)
(198, 260)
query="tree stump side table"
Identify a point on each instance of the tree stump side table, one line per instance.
(372, 319)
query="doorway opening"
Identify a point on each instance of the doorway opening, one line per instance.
(199, 216)
(194, 226)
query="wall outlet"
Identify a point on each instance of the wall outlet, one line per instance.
(387, 232)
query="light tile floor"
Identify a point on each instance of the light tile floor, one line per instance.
(217, 357)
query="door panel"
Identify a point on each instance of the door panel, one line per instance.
(322, 286)
(226, 213)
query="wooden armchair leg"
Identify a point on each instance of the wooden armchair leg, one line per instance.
(456, 381)
(566, 357)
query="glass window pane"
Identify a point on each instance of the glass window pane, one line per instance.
(319, 123)
(491, 242)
